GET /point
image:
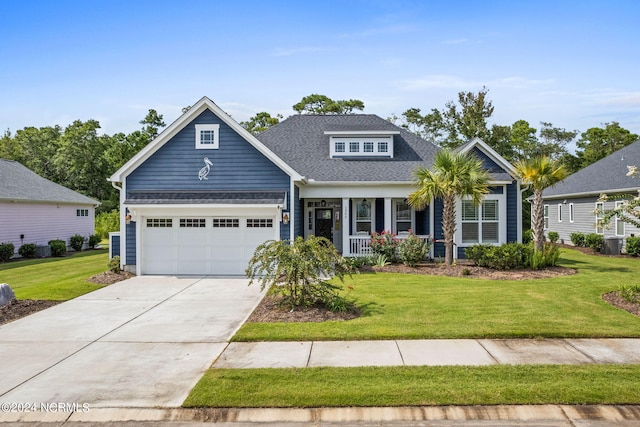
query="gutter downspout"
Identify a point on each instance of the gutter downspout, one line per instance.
(123, 230)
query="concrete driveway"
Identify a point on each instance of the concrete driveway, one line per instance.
(143, 342)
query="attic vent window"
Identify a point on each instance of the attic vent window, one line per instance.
(207, 137)
(361, 146)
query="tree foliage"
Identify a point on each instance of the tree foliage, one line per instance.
(453, 175)
(597, 143)
(298, 270)
(261, 122)
(322, 104)
(628, 210)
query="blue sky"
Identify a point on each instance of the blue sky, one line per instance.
(575, 64)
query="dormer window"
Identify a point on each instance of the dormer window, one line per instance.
(359, 144)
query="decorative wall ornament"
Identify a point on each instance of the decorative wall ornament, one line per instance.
(204, 172)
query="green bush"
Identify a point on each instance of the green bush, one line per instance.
(107, 222)
(594, 241)
(632, 245)
(578, 239)
(548, 257)
(114, 264)
(504, 257)
(631, 293)
(553, 236)
(385, 243)
(94, 239)
(58, 247)
(76, 242)
(28, 250)
(6, 251)
(413, 250)
(298, 271)
(527, 236)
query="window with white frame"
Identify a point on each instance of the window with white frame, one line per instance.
(599, 217)
(383, 147)
(480, 224)
(159, 222)
(192, 222)
(354, 147)
(207, 137)
(559, 212)
(368, 146)
(340, 147)
(619, 222)
(546, 217)
(360, 146)
(82, 212)
(571, 215)
(363, 216)
(402, 216)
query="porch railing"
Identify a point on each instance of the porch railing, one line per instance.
(359, 245)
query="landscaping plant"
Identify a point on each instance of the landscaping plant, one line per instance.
(578, 239)
(6, 251)
(299, 271)
(631, 293)
(76, 241)
(594, 241)
(632, 245)
(94, 239)
(28, 250)
(114, 264)
(58, 247)
(553, 236)
(385, 243)
(413, 250)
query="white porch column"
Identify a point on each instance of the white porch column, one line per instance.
(387, 214)
(346, 225)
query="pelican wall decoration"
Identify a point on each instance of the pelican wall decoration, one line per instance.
(204, 172)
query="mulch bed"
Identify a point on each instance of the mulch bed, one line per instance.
(616, 300)
(21, 308)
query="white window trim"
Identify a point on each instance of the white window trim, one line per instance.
(599, 207)
(361, 140)
(354, 216)
(502, 220)
(394, 220)
(545, 216)
(559, 212)
(571, 213)
(216, 136)
(618, 221)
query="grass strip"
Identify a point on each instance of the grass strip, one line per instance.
(418, 386)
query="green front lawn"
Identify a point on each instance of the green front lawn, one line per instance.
(397, 306)
(408, 386)
(57, 279)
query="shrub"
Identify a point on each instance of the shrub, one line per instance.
(632, 245)
(385, 243)
(107, 222)
(631, 293)
(298, 270)
(578, 239)
(504, 257)
(594, 241)
(381, 261)
(6, 251)
(527, 236)
(76, 241)
(28, 250)
(58, 247)
(548, 257)
(114, 264)
(412, 250)
(94, 239)
(553, 236)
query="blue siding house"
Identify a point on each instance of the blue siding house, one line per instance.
(205, 193)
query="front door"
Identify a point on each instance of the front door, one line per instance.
(324, 223)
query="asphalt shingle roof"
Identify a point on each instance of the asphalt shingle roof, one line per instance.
(606, 175)
(300, 141)
(204, 197)
(18, 183)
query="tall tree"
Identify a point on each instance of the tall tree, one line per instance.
(597, 143)
(322, 104)
(453, 175)
(260, 122)
(539, 172)
(38, 147)
(470, 120)
(152, 123)
(553, 141)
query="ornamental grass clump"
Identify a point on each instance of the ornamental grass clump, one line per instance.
(299, 272)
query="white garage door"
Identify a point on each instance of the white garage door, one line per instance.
(206, 245)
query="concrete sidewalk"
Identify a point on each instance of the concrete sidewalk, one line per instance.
(429, 353)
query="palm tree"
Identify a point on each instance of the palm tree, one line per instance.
(453, 175)
(539, 172)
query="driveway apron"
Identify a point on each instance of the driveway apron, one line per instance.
(142, 342)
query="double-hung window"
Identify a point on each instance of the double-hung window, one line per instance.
(619, 222)
(546, 217)
(402, 216)
(363, 216)
(599, 217)
(480, 224)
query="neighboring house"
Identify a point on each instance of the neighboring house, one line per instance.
(573, 206)
(205, 193)
(36, 210)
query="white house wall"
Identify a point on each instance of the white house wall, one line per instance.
(367, 190)
(40, 223)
